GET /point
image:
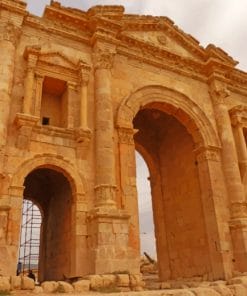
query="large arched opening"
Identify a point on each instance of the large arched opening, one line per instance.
(180, 231)
(182, 151)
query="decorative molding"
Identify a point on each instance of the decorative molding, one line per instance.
(106, 19)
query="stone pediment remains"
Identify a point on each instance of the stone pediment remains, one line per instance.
(162, 41)
(56, 58)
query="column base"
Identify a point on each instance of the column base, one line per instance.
(109, 236)
(105, 196)
(238, 228)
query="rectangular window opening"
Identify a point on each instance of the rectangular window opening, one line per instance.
(45, 120)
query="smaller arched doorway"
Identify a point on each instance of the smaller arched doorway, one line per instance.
(51, 191)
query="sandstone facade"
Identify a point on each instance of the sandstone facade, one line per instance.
(79, 93)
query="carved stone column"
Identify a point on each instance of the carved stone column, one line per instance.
(105, 188)
(84, 78)
(238, 119)
(38, 94)
(32, 58)
(70, 104)
(231, 170)
(9, 36)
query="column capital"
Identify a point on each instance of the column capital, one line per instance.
(10, 32)
(84, 78)
(219, 95)
(31, 54)
(205, 153)
(103, 58)
(126, 135)
(71, 85)
(84, 71)
(39, 76)
(238, 115)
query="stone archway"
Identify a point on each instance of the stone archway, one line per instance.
(205, 154)
(65, 199)
(176, 104)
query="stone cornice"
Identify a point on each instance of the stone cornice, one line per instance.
(16, 6)
(63, 31)
(108, 24)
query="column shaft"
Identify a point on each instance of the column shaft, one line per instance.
(7, 59)
(229, 155)
(83, 110)
(28, 96)
(105, 156)
(38, 97)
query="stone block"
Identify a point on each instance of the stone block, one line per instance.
(15, 282)
(82, 286)
(49, 286)
(238, 290)
(223, 290)
(205, 292)
(64, 287)
(5, 283)
(96, 281)
(38, 290)
(238, 280)
(27, 283)
(108, 280)
(165, 285)
(135, 280)
(123, 280)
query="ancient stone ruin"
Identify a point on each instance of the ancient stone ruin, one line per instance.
(79, 93)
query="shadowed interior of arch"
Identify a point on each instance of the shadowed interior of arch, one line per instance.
(180, 231)
(51, 190)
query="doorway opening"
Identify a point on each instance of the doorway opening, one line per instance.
(48, 191)
(179, 224)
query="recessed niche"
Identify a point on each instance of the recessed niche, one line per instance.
(54, 102)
